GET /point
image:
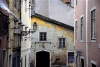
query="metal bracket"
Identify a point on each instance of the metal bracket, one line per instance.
(24, 33)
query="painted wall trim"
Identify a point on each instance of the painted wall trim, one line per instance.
(82, 40)
(67, 56)
(82, 57)
(82, 16)
(93, 8)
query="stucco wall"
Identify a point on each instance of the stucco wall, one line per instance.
(25, 41)
(55, 9)
(52, 44)
(92, 54)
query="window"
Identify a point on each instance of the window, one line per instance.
(19, 6)
(25, 61)
(76, 2)
(25, 5)
(82, 28)
(61, 42)
(93, 25)
(76, 30)
(7, 1)
(15, 41)
(15, 3)
(29, 11)
(43, 36)
(19, 41)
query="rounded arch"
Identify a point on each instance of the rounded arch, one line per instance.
(46, 51)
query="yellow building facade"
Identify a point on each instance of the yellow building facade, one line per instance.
(52, 43)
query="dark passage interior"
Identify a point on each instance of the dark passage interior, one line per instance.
(42, 59)
(93, 65)
(82, 62)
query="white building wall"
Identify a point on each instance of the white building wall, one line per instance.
(55, 9)
(25, 42)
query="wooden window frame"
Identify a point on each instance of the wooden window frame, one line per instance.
(93, 25)
(61, 42)
(43, 36)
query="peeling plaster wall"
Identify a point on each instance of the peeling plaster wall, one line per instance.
(52, 44)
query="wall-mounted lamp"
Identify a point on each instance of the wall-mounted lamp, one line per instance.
(35, 26)
(24, 33)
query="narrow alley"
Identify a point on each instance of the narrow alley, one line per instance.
(49, 33)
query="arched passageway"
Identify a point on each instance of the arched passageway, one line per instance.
(42, 59)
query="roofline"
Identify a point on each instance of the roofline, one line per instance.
(53, 21)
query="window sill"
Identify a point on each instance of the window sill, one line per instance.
(61, 47)
(42, 42)
(93, 41)
(81, 40)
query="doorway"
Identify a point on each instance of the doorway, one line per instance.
(70, 58)
(43, 59)
(93, 65)
(82, 62)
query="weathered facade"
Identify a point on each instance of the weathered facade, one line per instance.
(10, 31)
(51, 41)
(87, 34)
(16, 27)
(3, 37)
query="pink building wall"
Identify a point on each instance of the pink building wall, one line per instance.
(93, 47)
(80, 11)
(94, 50)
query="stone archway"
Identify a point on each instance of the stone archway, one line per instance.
(43, 59)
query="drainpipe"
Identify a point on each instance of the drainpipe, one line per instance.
(86, 33)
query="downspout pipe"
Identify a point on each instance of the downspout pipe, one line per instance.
(86, 33)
